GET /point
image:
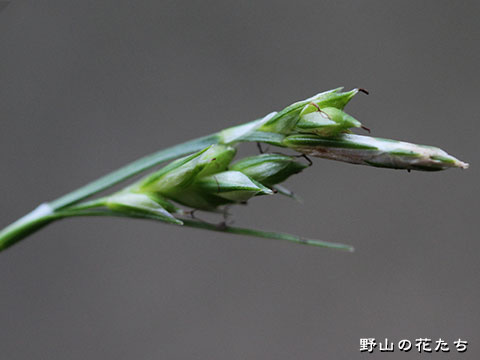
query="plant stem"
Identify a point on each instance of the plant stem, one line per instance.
(43, 216)
(266, 235)
(48, 212)
(133, 169)
(26, 225)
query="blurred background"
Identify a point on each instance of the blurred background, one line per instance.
(87, 86)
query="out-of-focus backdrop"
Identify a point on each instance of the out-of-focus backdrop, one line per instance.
(87, 86)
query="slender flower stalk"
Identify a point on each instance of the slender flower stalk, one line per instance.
(204, 176)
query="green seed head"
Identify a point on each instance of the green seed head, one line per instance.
(327, 121)
(201, 180)
(228, 187)
(197, 199)
(216, 159)
(269, 169)
(334, 98)
(180, 174)
(231, 185)
(285, 121)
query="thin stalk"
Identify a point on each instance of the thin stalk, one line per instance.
(198, 224)
(24, 227)
(133, 169)
(266, 235)
(88, 204)
(36, 220)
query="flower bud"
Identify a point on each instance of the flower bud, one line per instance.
(181, 173)
(284, 122)
(328, 121)
(334, 98)
(200, 200)
(269, 169)
(216, 159)
(231, 185)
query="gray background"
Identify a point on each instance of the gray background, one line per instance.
(86, 86)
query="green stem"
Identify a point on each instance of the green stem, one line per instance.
(133, 169)
(266, 235)
(88, 205)
(46, 213)
(40, 217)
(43, 216)
(25, 226)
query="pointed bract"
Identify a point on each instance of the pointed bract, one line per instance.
(327, 121)
(216, 159)
(284, 121)
(269, 169)
(232, 185)
(334, 98)
(181, 173)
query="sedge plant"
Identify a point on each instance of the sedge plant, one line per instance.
(204, 175)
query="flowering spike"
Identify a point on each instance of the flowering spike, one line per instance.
(182, 173)
(232, 185)
(269, 169)
(335, 98)
(203, 180)
(216, 159)
(378, 152)
(285, 121)
(178, 173)
(328, 121)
